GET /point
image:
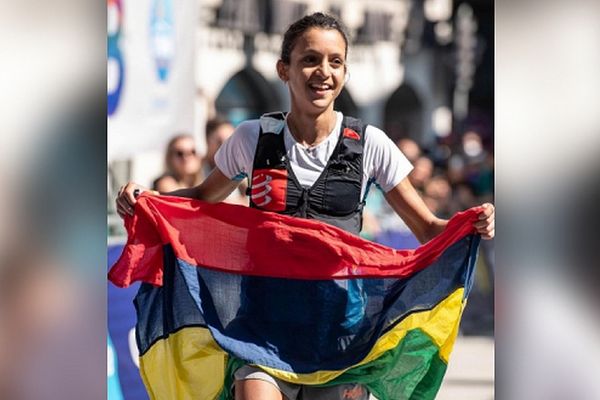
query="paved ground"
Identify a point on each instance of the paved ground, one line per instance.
(470, 375)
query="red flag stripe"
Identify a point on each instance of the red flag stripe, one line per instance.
(247, 241)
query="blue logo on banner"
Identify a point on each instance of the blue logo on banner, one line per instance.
(115, 59)
(162, 36)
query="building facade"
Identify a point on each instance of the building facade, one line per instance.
(399, 60)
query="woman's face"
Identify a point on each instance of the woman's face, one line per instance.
(183, 157)
(315, 74)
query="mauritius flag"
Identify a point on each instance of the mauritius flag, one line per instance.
(307, 302)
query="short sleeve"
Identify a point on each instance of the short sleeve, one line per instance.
(235, 156)
(384, 162)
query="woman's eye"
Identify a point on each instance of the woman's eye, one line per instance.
(337, 62)
(310, 59)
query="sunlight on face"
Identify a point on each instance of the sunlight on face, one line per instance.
(317, 69)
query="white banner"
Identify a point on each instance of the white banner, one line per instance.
(151, 86)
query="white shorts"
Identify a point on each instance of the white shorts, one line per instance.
(292, 391)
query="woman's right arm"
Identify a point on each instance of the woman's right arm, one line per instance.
(215, 188)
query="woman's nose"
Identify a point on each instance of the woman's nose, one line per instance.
(324, 69)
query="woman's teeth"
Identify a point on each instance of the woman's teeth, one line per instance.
(320, 87)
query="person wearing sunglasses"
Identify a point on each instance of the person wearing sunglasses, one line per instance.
(182, 165)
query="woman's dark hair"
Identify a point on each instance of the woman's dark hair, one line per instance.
(214, 123)
(316, 20)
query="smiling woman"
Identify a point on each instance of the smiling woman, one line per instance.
(315, 76)
(314, 162)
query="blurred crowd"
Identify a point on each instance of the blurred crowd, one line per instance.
(451, 175)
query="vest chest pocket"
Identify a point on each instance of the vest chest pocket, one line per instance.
(269, 189)
(341, 194)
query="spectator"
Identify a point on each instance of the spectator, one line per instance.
(218, 131)
(182, 165)
(422, 172)
(462, 197)
(438, 189)
(409, 148)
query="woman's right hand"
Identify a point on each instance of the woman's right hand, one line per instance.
(126, 198)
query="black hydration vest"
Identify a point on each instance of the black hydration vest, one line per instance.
(334, 198)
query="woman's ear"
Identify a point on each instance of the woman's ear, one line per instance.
(282, 71)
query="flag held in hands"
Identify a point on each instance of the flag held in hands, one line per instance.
(307, 302)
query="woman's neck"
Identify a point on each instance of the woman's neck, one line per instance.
(310, 129)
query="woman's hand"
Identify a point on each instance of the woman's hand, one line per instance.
(126, 198)
(486, 224)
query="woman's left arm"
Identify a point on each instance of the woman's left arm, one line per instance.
(407, 203)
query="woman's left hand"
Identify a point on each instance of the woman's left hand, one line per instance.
(486, 224)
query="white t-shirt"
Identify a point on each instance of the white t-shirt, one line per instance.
(382, 160)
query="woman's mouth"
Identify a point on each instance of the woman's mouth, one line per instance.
(320, 89)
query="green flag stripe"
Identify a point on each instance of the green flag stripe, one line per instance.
(412, 370)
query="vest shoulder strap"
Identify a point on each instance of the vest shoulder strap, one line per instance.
(355, 125)
(270, 148)
(272, 123)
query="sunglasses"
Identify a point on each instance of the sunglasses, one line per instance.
(183, 154)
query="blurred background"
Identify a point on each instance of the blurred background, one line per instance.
(58, 150)
(422, 70)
